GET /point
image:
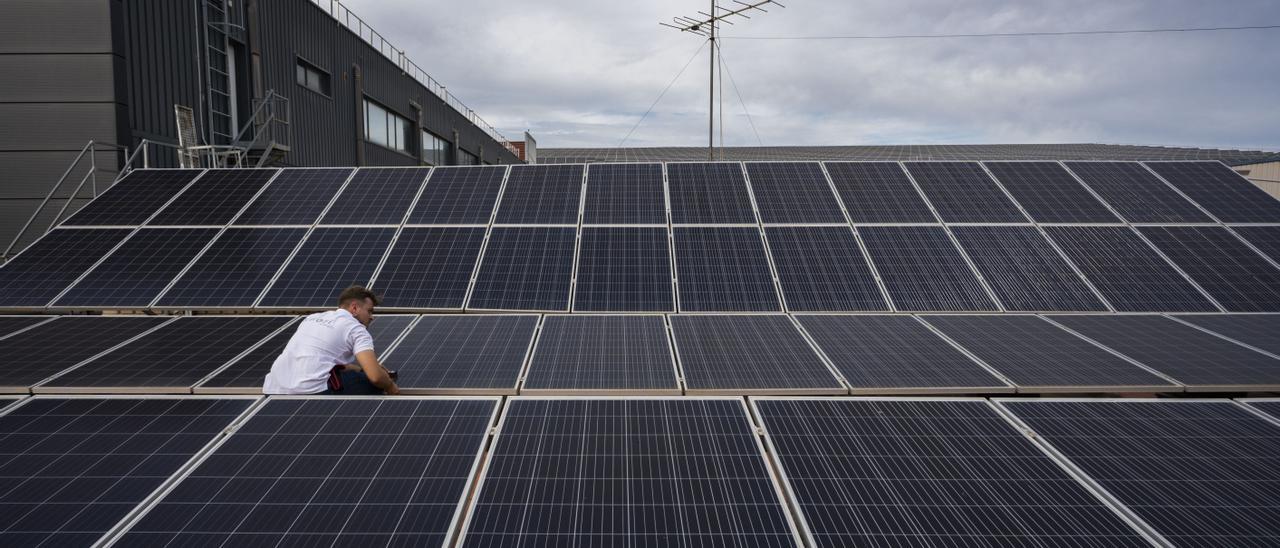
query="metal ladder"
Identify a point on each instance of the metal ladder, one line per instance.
(218, 78)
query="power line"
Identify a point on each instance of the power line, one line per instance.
(734, 85)
(1004, 34)
(660, 95)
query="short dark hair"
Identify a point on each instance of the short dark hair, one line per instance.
(357, 293)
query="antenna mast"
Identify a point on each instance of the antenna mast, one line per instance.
(706, 26)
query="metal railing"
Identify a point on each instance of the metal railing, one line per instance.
(269, 122)
(348, 19)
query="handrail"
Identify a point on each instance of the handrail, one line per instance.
(407, 65)
(91, 149)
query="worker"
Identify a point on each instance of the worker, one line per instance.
(332, 353)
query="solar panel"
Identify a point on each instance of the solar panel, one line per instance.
(459, 195)
(821, 268)
(602, 353)
(709, 193)
(45, 268)
(1192, 357)
(1235, 275)
(880, 354)
(430, 268)
(928, 473)
(1049, 193)
(1220, 191)
(471, 352)
(738, 354)
(1041, 357)
(684, 472)
(723, 269)
(170, 359)
(625, 194)
(329, 260)
(1199, 473)
(136, 273)
(73, 468)
(962, 192)
(295, 197)
(526, 269)
(132, 200)
(1258, 331)
(922, 270)
(51, 348)
(1265, 238)
(1270, 407)
(624, 270)
(215, 198)
(235, 269)
(1136, 194)
(325, 471)
(1126, 271)
(1024, 270)
(793, 192)
(878, 192)
(246, 374)
(377, 196)
(541, 194)
(12, 324)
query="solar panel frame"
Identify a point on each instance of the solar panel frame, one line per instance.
(558, 246)
(963, 192)
(1025, 270)
(372, 250)
(1233, 274)
(715, 285)
(223, 262)
(1247, 329)
(1268, 408)
(518, 328)
(31, 283)
(1219, 191)
(1264, 239)
(120, 534)
(1135, 193)
(11, 325)
(296, 197)
(503, 426)
(645, 281)
(542, 366)
(138, 270)
(67, 351)
(1043, 189)
(716, 195)
(376, 196)
(429, 268)
(215, 199)
(772, 362)
(913, 289)
(823, 269)
(792, 193)
(122, 209)
(892, 196)
(623, 194)
(449, 187)
(549, 194)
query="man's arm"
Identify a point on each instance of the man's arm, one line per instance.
(376, 373)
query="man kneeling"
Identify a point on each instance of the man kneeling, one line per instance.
(332, 353)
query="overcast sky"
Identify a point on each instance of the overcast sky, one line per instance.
(580, 73)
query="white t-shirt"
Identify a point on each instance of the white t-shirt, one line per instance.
(323, 340)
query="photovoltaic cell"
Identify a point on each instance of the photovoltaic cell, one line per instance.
(53, 347)
(526, 269)
(878, 192)
(723, 270)
(894, 352)
(1131, 275)
(215, 198)
(709, 193)
(625, 194)
(377, 196)
(762, 353)
(12, 324)
(1200, 473)
(923, 271)
(132, 200)
(541, 194)
(173, 357)
(430, 268)
(793, 192)
(595, 352)
(1265, 238)
(1049, 193)
(1136, 194)
(328, 471)
(1235, 275)
(235, 270)
(73, 468)
(1188, 355)
(136, 273)
(963, 193)
(823, 269)
(295, 197)
(1269, 407)
(929, 473)
(1024, 270)
(624, 270)
(329, 260)
(472, 352)
(1034, 353)
(650, 472)
(1220, 191)
(459, 195)
(1258, 331)
(38, 274)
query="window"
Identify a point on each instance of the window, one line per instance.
(435, 151)
(312, 78)
(467, 159)
(386, 128)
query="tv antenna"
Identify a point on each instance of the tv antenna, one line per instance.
(706, 26)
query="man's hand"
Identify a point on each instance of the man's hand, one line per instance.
(392, 390)
(376, 373)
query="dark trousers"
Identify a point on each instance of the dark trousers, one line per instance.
(355, 383)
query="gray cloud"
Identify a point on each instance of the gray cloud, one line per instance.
(582, 73)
